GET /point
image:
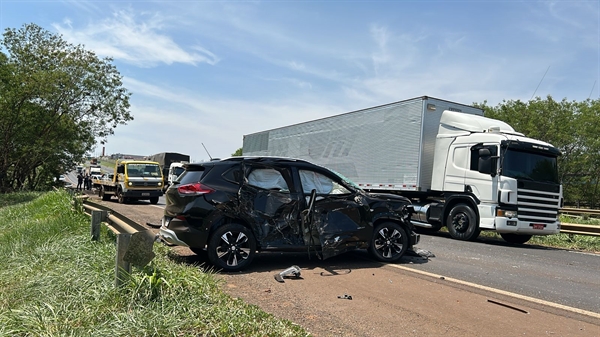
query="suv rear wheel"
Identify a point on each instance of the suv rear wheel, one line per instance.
(231, 247)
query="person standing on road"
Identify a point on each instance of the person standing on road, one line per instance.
(86, 182)
(79, 181)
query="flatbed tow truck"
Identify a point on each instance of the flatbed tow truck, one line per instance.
(132, 180)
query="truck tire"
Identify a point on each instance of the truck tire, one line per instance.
(389, 242)
(103, 195)
(154, 200)
(120, 197)
(231, 247)
(462, 223)
(515, 238)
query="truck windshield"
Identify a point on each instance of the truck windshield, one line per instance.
(530, 166)
(143, 170)
(177, 171)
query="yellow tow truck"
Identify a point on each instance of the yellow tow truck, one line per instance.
(132, 180)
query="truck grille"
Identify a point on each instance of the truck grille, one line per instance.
(538, 206)
(144, 184)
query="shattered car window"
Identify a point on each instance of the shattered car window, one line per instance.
(268, 179)
(324, 185)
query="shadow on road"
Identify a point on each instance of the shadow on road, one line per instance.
(495, 242)
(277, 261)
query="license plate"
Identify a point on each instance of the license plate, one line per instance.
(537, 226)
(145, 194)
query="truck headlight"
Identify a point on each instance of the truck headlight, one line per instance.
(159, 184)
(130, 183)
(506, 213)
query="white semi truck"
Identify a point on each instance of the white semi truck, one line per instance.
(461, 170)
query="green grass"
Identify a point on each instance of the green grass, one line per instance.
(54, 281)
(565, 241)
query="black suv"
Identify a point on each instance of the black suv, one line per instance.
(237, 206)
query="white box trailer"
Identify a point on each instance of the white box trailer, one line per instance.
(388, 147)
(462, 170)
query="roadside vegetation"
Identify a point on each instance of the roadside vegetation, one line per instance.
(564, 241)
(55, 281)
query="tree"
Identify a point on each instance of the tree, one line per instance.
(572, 127)
(237, 153)
(56, 100)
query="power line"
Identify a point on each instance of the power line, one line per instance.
(539, 83)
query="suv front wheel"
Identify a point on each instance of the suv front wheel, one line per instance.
(389, 242)
(231, 247)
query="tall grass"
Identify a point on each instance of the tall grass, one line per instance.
(54, 281)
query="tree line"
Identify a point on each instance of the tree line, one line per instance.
(572, 127)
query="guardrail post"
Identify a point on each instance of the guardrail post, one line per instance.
(123, 268)
(97, 218)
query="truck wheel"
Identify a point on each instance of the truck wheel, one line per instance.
(103, 195)
(515, 238)
(154, 200)
(389, 242)
(120, 197)
(231, 247)
(462, 223)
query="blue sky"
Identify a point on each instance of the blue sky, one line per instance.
(212, 71)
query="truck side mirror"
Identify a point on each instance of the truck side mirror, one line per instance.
(120, 169)
(486, 162)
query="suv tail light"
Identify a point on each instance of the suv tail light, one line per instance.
(194, 189)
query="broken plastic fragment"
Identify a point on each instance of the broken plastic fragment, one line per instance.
(345, 297)
(291, 272)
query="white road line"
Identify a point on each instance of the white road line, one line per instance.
(501, 292)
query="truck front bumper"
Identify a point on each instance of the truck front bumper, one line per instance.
(141, 194)
(516, 226)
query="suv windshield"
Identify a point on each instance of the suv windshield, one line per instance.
(347, 181)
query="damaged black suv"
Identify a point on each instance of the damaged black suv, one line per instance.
(238, 206)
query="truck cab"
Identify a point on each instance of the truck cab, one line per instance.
(506, 181)
(133, 180)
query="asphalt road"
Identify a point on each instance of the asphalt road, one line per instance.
(556, 275)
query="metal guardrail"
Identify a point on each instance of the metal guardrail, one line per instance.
(570, 228)
(134, 241)
(580, 211)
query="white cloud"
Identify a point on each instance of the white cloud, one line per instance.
(137, 40)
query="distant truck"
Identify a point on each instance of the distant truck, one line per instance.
(94, 171)
(171, 164)
(462, 170)
(132, 180)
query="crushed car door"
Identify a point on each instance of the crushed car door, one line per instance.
(337, 220)
(270, 206)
